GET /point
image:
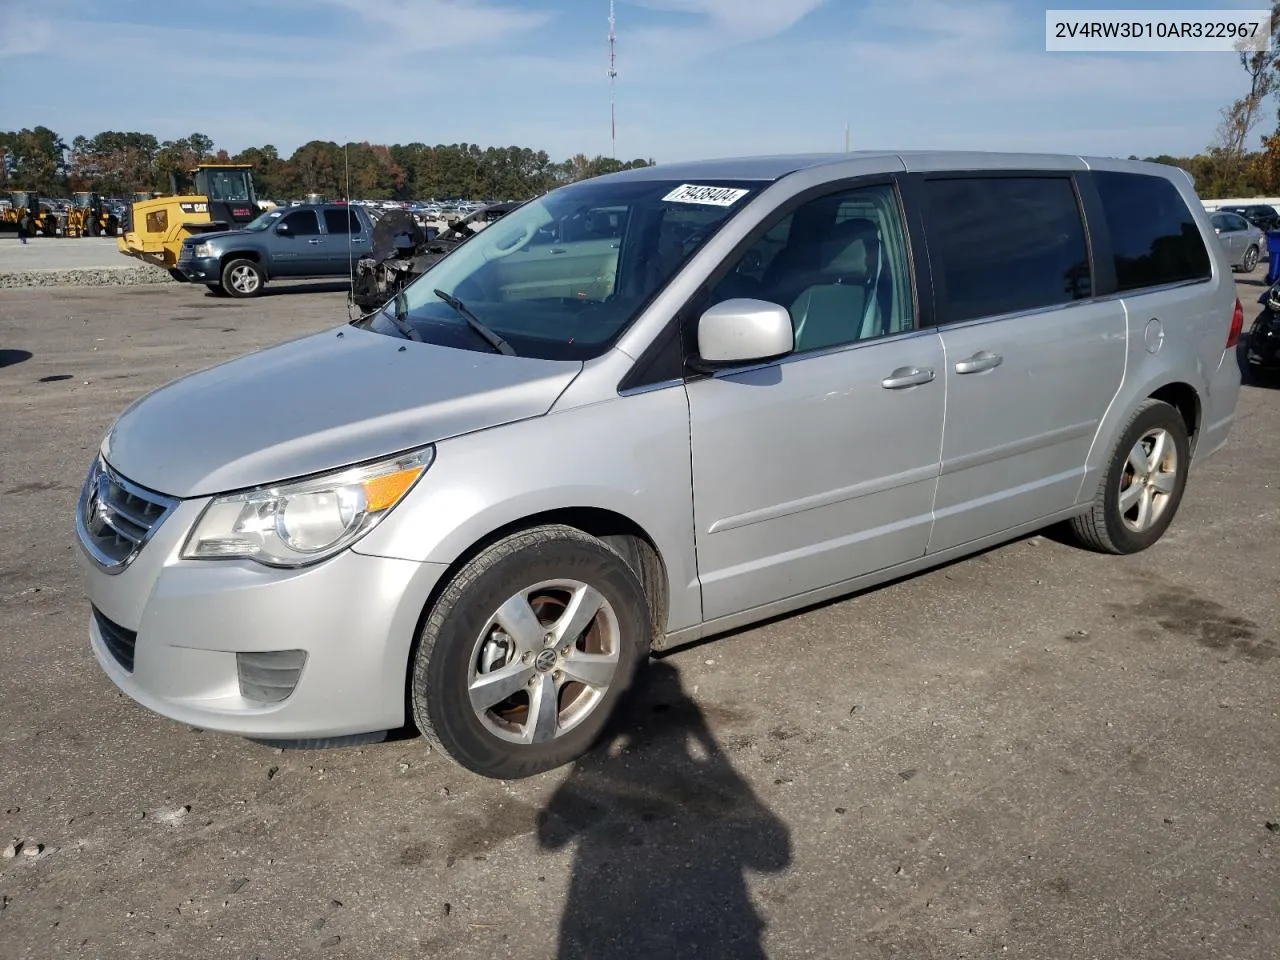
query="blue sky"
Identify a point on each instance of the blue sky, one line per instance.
(697, 78)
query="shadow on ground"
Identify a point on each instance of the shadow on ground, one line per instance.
(665, 831)
(10, 357)
(287, 288)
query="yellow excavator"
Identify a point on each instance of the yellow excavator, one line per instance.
(222, 197)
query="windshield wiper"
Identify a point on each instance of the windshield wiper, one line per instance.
(407, 329)
(474, 323)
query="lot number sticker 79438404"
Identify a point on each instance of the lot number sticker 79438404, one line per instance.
(713, 196)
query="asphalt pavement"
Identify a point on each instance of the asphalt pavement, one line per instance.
(1037, 752)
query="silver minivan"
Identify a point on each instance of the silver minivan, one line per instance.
(646, 408)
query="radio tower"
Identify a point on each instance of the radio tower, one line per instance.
(613, 76)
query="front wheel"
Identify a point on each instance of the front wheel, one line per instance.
(242, 278)
(528, 651)
(1142, 487)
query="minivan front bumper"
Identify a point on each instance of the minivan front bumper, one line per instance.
(193, 640)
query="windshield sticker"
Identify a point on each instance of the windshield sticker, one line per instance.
(711, 196)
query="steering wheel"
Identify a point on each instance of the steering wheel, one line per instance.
(500, 250)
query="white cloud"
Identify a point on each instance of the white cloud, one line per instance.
(740, 20)
(419, 25)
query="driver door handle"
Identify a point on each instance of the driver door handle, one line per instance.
(982, 360)
(556, 250)
(905, 377)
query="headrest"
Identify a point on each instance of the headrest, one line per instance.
(850, 248)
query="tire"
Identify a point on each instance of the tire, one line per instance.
(1116, 523)
(540, 572)
(1250, 260)
(217, 289)
(242, 278)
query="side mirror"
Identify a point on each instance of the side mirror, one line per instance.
(1217, 230)
(744, 331)
(282, 229)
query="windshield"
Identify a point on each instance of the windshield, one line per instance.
(231, 185)
(264, 220)
(563, 276)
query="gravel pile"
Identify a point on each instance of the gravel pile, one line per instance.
(86, 277)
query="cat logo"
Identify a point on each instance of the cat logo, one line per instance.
(195, 207)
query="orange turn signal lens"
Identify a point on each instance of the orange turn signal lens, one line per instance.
(383, 492)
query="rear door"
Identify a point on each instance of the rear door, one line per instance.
(299, 250)
(1032, 360)
(346, 240)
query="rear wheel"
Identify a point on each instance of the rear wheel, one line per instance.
(242, 278)
(1250, 260)
(1142, 487)
(528, 651)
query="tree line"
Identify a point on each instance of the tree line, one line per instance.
(115, 163)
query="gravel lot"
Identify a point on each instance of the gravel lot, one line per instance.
(1037, 752)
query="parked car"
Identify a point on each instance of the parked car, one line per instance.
(781, 381)
(1261, 215)
(1263, 351)
(1243, 242)
(307, 240)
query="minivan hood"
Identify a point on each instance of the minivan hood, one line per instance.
(319, 403)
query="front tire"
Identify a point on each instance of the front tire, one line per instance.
(528, 652)
(242, 278)
(1143, 485)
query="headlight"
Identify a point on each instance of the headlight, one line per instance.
(306, 521)
(204, 250)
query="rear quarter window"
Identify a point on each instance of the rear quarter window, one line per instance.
(1006, 244)
(1154, 238)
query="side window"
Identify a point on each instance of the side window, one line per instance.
(302, 223)
(1155, 239)
(341, 221)
(838, 264)
(1006, 244)
(1219, 221)
(1238, 222)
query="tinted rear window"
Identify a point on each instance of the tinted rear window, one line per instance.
(1155, 239)
(1007, 244)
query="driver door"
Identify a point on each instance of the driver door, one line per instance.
(822, 466)
(299, 249)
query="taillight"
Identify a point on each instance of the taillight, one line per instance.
(1237, 325)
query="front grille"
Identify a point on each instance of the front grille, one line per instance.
(116, 518)
(269, 676)
(118, 641)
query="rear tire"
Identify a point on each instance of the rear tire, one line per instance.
(527, 617)
(242, 278)
(1142, 487)
(1250, 260)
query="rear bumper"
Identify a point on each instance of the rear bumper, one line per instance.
(1219, 407)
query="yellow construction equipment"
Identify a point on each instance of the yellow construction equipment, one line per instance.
(89, 217)
(20, 201)
(222, 198)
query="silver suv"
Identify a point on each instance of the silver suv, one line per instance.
(646, 408)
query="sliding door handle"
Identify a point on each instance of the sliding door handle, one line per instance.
(982, 360)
